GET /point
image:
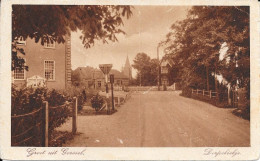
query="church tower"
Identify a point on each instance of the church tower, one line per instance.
(127, 70)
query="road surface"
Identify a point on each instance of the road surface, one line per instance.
(162, 119)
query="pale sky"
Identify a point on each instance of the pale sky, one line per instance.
(144, 30)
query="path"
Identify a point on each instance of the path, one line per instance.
(162, 119)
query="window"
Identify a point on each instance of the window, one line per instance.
(49, 45)
(19, 74)
(21, 41)
(99, 83)
(118, 82)
(164, 70)
(90, 83)
(49, 69)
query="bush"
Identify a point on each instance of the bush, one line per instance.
(73, 91)
(126, 89)
(60, 111)
(81, 93)
(97, 101)
(27, 100)
(186, 91)
(55, 98)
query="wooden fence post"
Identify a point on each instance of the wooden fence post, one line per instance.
(203, 92)
(74, 116)
(46, 124)
(197, 91)
(210, 94)
(229, 99)
(125, 97)
(191, 91)
(118, 100)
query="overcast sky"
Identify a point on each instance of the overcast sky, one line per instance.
(144, 30)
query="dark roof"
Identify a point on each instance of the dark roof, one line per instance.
(166, 62)
(85, 72)
(118, 74)
(90, 73)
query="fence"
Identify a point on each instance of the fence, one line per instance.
(121, 99)
(29, 126)
(228, 98)
(210, 94)
(28, 130)
(118, 88)
(143, 88)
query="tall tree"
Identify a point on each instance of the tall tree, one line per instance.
(194, 44)
(48, 23)
(147, 69)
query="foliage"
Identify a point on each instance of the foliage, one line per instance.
(58, 116)
(126, 89)
(55, 98)
(59, 137)
(196, 43)
(79, 76)
(97, 101)
(50, 23)
(80, 92)
(27, 100)
(17, 61)
(186, 91)
(76, 78)
(60, 111)
(147, 69)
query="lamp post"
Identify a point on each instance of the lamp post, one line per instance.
(112, 90)
(140, 79)
(159, 67)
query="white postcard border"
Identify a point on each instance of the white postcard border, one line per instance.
(111, 153)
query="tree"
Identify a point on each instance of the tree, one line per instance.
(49, 23)
(154, 71)
(147, 69)
(76, 78)
(194, 45)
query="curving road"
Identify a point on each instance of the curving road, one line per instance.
(162, 119)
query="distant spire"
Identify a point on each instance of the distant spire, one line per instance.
(127, 68)
(127, 62)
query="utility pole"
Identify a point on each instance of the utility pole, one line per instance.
(159, 67)
(140, 79)
(105, 68)
(207, 72)
(216, 81)
(112, 90)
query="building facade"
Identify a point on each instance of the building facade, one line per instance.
(94, 78)
(165, 68)
(49, 64)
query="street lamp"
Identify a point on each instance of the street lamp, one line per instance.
(159, 69)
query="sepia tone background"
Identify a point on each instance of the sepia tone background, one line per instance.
(149, 106)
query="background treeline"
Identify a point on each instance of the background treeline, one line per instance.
(211, 47)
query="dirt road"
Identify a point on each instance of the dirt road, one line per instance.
(162, 119)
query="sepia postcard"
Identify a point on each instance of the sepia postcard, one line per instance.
(130, 80)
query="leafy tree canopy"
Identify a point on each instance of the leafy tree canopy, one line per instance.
(51, 22)
(48, 23)
(194, 44)
(147, 69)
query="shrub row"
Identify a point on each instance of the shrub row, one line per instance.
(26, 100)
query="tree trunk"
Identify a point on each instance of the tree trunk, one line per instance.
(140, 79)
(216, 81)
(207, 72)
